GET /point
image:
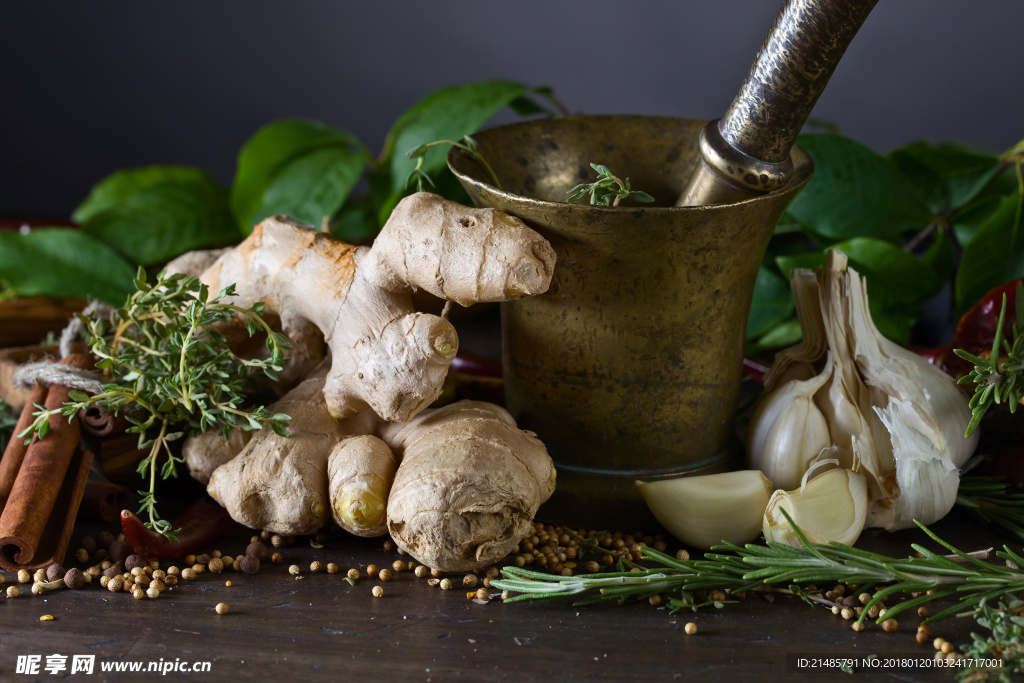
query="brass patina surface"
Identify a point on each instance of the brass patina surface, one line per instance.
(629, 366)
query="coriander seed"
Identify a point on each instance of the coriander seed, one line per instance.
(372, 570)
(690, 628)
(385, 575)
(13, 591)
(294, 570)
(315, 566)
(446, 584)
(222, 608)
(277, 558)
(377, 592)
(138, 593)
(421, 571)
(352, 574)
(152, 593)
(398, 566)
(24, 576)
(188, 574)
(470, 580)
(332, 568)
(483, 594)
(215, 565)
(889, 625)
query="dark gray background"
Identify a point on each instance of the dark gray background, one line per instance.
(91, 87)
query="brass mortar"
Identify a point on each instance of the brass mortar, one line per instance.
(629, 366)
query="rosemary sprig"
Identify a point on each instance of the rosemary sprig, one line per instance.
(990, 500)
(467, 146)
(773, 566)
(608, 190)
(997, 379)
(171, 373)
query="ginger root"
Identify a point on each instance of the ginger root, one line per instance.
(469, 485)
(384, 354)
(465, 493)
(457, 486)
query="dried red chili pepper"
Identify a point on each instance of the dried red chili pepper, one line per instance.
(201, 524)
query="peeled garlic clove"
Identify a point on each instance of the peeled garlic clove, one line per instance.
(788, 431)
(830, 507)
(704, 511)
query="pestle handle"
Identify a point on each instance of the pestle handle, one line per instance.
(746, 152)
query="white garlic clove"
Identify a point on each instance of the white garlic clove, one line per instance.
(830, 507)
(703, 511)
(788, 431)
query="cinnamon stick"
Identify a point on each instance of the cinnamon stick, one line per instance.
(16, 448)
(39, 513)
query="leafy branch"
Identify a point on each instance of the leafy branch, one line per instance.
(467, 146)
(997, 380)
(775, 566)
(172, 374)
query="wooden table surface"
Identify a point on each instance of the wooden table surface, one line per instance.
(321, 628)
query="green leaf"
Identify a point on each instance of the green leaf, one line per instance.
(113, 191)
(784, 334)
(995, 255)
(166, 219)
(772, 303)
(898, 282)
(62, 262)
(967, 221)
(854, 192)
(314, 184)
(941, 256)
(946, 176)
(270, 149)
(355, 223)
(446, 114)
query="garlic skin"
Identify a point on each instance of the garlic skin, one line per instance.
(890, 414)
(830, 507)
(703, 511)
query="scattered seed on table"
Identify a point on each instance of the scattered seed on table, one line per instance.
(421, 571)
(222, 608)
(372, 570)
(277, 558)
(13, 591)
(386, 575)
(446, 584)
(228, 584)
(398, 565)
(690, 628)
(315, 566)
(46, 617)
(294, 570)
(352, 574)
(470, 580)
(332, 568)
(377, 591)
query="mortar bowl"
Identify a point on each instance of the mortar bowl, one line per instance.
(629, 366)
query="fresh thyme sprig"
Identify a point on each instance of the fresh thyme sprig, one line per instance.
(1005, 642)
(770, 567)
(171, 372)
(608, 190)
(997, 379)
(467, 146)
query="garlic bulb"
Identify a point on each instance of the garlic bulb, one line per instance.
(897, 417)
(831, 506)
(703, 511)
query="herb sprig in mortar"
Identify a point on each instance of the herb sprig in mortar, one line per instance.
(608, 190)
(172, 374)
